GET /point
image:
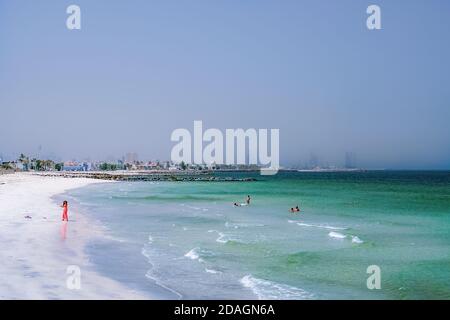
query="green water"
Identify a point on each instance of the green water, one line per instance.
(200, 246)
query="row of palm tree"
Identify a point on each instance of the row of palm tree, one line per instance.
(37, 164)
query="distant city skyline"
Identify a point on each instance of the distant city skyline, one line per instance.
(340, 94)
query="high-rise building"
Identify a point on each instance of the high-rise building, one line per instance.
(313, 161)
(131, 158)
(350, 160)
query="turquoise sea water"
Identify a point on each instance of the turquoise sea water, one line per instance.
(187, 240)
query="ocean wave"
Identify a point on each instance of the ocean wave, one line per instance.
(158, 282)
(163, 197)
(340, 236)
(355, 239)
(269, 290)
(87, 204)
(113, 238)
(208, 270)
(145, 253)
(243, 225)
(224, 238)
(321, 226)
(198, 254)
(228, 225)
(337, 235)
(195, 208)
(193, 254)
(151, 275)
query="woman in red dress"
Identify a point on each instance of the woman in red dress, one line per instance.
(65, 208)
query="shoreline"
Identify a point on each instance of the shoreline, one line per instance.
(37, 251)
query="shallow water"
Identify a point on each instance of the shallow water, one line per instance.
(189, 239)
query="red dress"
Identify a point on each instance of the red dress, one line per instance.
(65, 217)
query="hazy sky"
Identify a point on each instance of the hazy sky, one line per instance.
(137, 70)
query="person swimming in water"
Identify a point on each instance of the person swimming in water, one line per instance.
(65, 207)
(296, 209)
(246, 203)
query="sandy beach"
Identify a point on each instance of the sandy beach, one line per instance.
(37, 251)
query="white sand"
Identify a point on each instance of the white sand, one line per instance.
(34, 255)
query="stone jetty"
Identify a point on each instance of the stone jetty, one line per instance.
(147, 175)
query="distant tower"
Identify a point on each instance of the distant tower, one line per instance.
(131, 157)
(313, 161)
(350, 160)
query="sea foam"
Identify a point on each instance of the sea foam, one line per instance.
(269, 290)
(355, 239)
(193, 254)
(337, 235)
(321, 226)
(341, 236)
(212, 271)
(223, 238)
